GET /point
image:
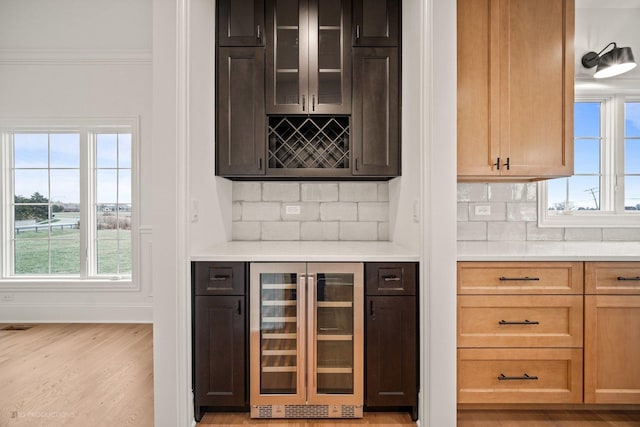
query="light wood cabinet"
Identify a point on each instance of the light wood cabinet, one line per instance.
(515, 89)
(612, 333)
(520, 332)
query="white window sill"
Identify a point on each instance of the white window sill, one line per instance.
(15, 284)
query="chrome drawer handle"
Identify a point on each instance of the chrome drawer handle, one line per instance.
(526, 376)
(634, 279)
(526, 278)
(525, 322)
(219, 278)
(391, 279)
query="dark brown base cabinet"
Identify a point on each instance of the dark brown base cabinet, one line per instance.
(219, 337)
(221, 333)
(391, 337)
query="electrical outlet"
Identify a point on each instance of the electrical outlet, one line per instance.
(6, 297)
(483, 210)
(292, 209)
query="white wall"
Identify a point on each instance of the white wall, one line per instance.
(70, 59)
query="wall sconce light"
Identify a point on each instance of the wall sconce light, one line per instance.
(617, 61)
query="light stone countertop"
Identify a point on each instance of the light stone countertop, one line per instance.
(548, 251)
(307, 251)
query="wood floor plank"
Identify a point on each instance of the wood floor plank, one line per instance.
(547, 418)
(77, 375)
(369, 419)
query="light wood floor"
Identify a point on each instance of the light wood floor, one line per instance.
(370, 418)
(77, 375)
(539, 418)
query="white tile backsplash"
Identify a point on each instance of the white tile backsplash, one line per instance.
(327, 211)
(514, 216)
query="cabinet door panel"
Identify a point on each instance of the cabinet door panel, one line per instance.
(612, 277)
(287, 57)
(391, 351)
(220, 351)
(376, 23)
(240, 113)
(537, 95)
(375, 112)
(611, 348)
(241, 22)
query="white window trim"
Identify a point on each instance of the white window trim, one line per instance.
(61, 282)
(613, 216)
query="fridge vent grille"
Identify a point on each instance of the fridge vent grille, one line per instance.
(306, 411)
(265, 411)
(348, 411)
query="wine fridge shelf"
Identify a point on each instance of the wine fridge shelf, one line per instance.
(308, 142)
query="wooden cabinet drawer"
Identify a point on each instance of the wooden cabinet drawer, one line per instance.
(219, 278)
(612, 278)
(383, 278)
(520, 321)
(519, 375)
(520, 277)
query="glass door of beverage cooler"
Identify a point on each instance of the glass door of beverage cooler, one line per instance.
(278, 351)
(335, 333)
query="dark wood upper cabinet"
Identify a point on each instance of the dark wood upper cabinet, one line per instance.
(241, 120)
(376, 23)
(376, 110)
(241, 22)
(308, 57)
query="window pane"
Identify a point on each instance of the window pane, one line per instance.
(587, 119)
(31, 253)
(65, 252)
(31, 150)
(584, 193)
(107, 186)
(632, 119)
(106, 150)
(557, 194)
(632, 156)
(65, 186)
(125, 253)
(107, 250)
(587, 156)
(124, 150)
(28, 182)
(65, 150)
(124, 186)
(632, 193)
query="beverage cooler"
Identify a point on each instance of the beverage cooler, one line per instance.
(306, 340)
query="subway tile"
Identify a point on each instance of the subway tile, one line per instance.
(472, 231)
(506, 231)
(338, 211)
(319, 230)
(358, 191)
(373, 211)
(472, 192)
(621, 234)
(309, 211)
(547, 233)
(319, 192)
(246, 191)
(498, 211)
(289, 230)
(517, 211)
(281, 191)
(352, 230)
(583, 234)
(532, 192)
(261, 211)
(383, 191)
(244, 230)
(236, 211)
(463, 211)
(383, 231)
(505, 191)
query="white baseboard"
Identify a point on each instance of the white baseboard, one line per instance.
(65, 313)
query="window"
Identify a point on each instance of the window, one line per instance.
(68, 200)
(605, 188)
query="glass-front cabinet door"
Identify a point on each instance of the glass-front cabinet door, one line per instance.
(335, 332)
(278, 352)
(308, 57)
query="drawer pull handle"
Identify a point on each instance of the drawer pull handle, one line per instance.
(526, 278)
(391, 279)
(634, 279)
(526, 376)
(525, 322)
(219, 278)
